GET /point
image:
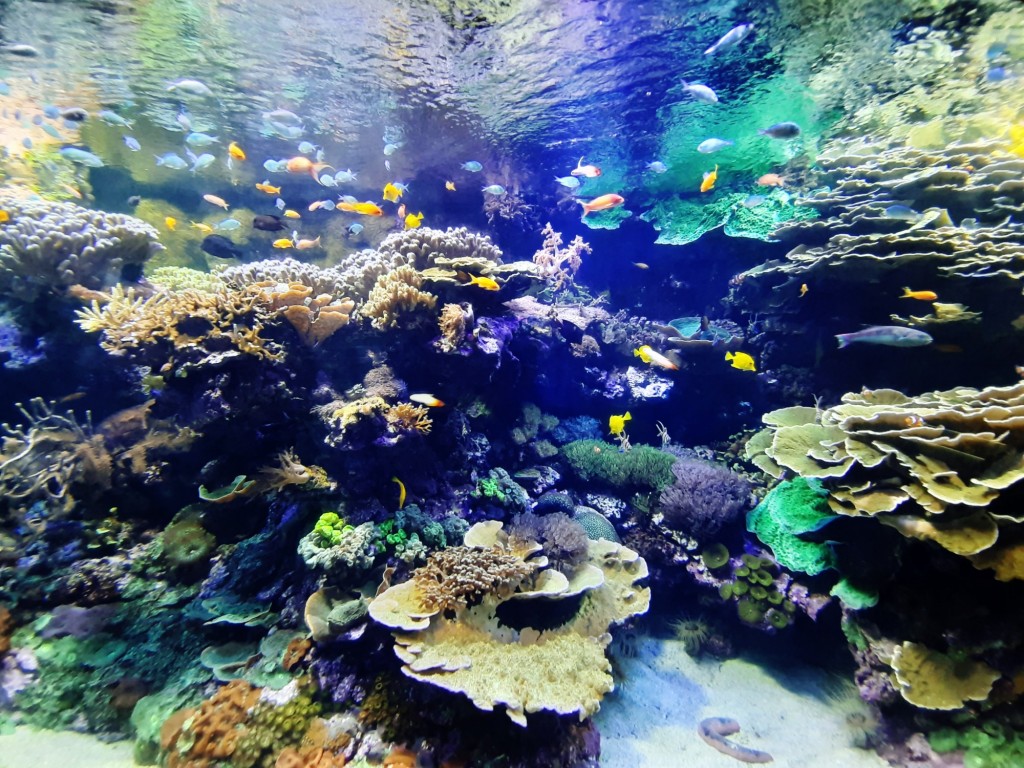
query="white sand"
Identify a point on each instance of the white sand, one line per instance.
(650, 721)
(29, 748)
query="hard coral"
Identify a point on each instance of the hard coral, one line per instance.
(393, 295)
(461, 576)
(198, 738)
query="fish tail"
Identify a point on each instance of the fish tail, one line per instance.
(843, 339)
(586, 206)
(906, 293)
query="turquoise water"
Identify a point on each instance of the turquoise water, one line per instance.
(512, 383)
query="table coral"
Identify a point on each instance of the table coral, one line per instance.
(933, 680)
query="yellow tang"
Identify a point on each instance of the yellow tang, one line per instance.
(171, 223)
(741, 361)
(617, 424)
(392, 193)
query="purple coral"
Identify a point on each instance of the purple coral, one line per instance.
(564, 540)
(703, 498)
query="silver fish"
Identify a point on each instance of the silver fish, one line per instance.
(781, 131)
(194, 87)
(82, 157)
(700, 92)
(730, 39)
(172, 161)
(708, 146)
(887, 335)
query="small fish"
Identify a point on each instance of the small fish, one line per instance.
(730, 39)
(390, 149)
(472, 166)
(305, 245)
(653, 357)
(403, 188)
(198, 139)
(283, 243)
(326, 180)
(73, 191)
(275, 166)
(51, 112)
(21, 49)
(902, 213)
(133, 201)
(493, 189)
(267, 188)
(204, 160)
(771, 180)
(480, 281)
(401, 213)
(267, 223)
(401, 491)
(51, 130)
(74, 114)
(236, 151)
(227, 225)
(193, 87)
(82, 157)
(803, 289)
(366, 209)
(709, 146)
(290, 214)
(354, 229)
(282, 116)
(570, 182)
(5, 88)
(346, 176)
(413, 220)
(781, 131)
(919, 295)
(641, 265)
(206, 229)
(741, 361)
(26, 142)
(302, 164)
(184, 122)
(709, 180)
(287, 132)
(392, 193)
(214, 200)
(450, 186)
(589, 171)
(657, 167)
(752, 201)
(347, 199)
(37, 120)
(428, 400)
(4, 217)
(328, 205)
(171, 223)
(112, 118)
(132, 143)
(617, 424)
(602, 203)
(221, 247)
(887, 335)
(307, 147)
(700, 92)
(171, 160)
(998, 74)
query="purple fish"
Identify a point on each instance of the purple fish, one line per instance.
(888, 335)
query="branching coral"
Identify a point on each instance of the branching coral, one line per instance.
(453, 323)
(290, 470)
(558, 265)
(406, 417)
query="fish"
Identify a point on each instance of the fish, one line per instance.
(346, 176)
(752, 201)
(134, 200)
(709, 146)
(450, 186)
(221, 247)
(617, 424)
(82, 157)
(571, 182)
(4, 217)
(493, 189)
(204, 160)
(112, 118)
(401, 491)
(771, 180)
(285, 131)
(21, 49)
(193, 87)
(236, 151)
(132, 143)
(354, 229)
(206, 229)
(307, 147)
(267, 223)
(589, 171)
(655, 358)
(657, 167)
(26, 142)
(480, 281)
(184, 121)
(171, 223)
(425, 399)
(214, 200)
(472, 166)
(602, 203)
(709, 180)
(901, 213)
(730, 39)
(413, 220)
(740, 361)
(280, 204)
(803, 289)
(700, 92)
(887, 335)
(283, 243)
(275, 166)
(290, 214)
(5, 88)
(282, 116)
(326, 180)
(227, 225)
(390, 149)
(171, 160)
(998, 74)
(641, 265)
(347, 199)
(781, 131)
(302, 164)
(198, 139)
(51, 130)
(366, 209)
(392, 193)
(74, 114)
(327, 205)
(266, 187)
(919, 295)
(305, 245)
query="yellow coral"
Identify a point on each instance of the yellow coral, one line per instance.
(395, 294)
(406, 417)
(933, 680)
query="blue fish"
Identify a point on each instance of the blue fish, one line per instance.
(51, 111)
(708, 146)
(568, 181)
(654, 167)
(700, 92)
(344, 177)
(82, 157)
(328, 181)
(228, 225)
(204, 160)
(307, 148)
(472, 166)
(390, 149)
(112, 118)
(171, 160)
(132, 143)
(37, 120)
(26, 143)
(276, 166)
(197, 139)
(328, 205)
(998, 74)
(902, 213)
(355, 229)
(887, 335)
(5, 88)
(494, 189)
(50, 130)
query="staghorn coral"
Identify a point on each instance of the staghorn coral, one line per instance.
(344, 416)
(51, 246)
(183, 278)
(406, 417)
(395, 294)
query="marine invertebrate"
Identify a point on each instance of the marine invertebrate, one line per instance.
(692, 632)
(406, 417)
(557, 265)
(393, 295)
(330, 529)
(643, 467)
(315, 318)
(52, 246)
(193, 737)
(563, 540)
(703, 498)
(6, 628)
(186, 543)
(290, 470)
(461, 576)
(714, 730)
(933, 680)
(453, 322)
(792, 508)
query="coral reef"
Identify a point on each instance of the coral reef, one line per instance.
(703, 498)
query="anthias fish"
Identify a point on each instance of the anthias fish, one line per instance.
(886, 335)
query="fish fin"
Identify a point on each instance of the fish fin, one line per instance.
(843, 342)
(626, 416)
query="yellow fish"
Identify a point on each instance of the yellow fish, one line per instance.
(283, 242)
(413, 220)
(366, 209)
(803, 290)
(919, 295)
(487, 283)
(392, 193)
(741, 361)
(204, 228)
(171, 223)
(617, 424)
(236, 151)
(450, 186)
(401, 491)
(652, 357)
(709, 180)
(290, 214)
(267, 187)
(4, 216)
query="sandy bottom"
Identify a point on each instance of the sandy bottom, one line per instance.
(798, 714)
(29, 748)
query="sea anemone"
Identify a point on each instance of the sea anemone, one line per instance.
(693, 632)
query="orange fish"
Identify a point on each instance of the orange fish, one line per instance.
(302, 164)
(428, 400)
(709, 180)
(305, 245)
(236, 151)
(602, 203)
(367, 208)
(771, 180)
(803, 290)
(920, 295)
(589, 171)
(268, 188)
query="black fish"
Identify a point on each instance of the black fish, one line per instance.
(267, 223)
(571, 332)
(221, 247)
(75, 114)
(134, 200)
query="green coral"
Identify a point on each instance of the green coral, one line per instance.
(272, 728)
(854, 597)
(489, 488)
(792, 508)
(990, 745)
(393, 535)
(330, 529)
(641, 467)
